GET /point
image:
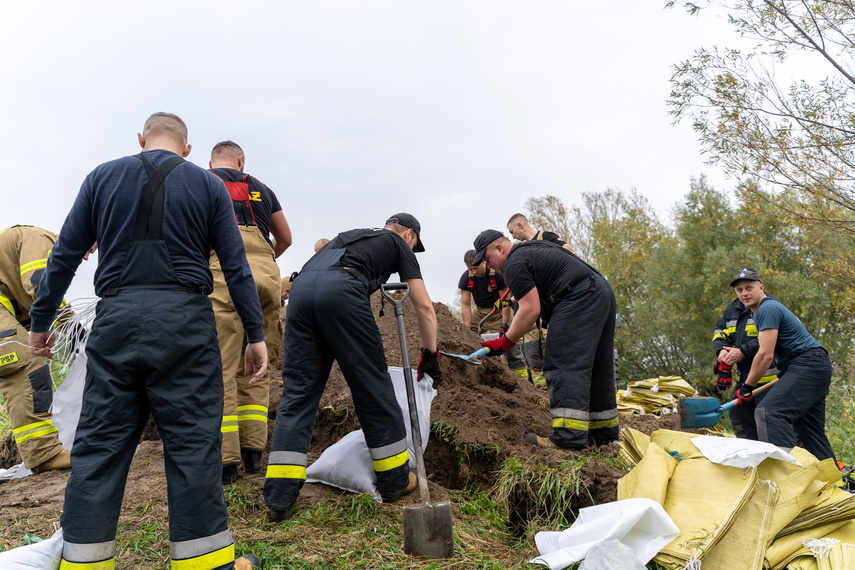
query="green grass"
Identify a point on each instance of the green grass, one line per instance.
(840, 419)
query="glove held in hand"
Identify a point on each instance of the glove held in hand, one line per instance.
(725, 376)
(745, 394)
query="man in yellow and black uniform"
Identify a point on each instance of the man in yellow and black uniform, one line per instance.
(25, 380)
(258, 215)
(735, 341)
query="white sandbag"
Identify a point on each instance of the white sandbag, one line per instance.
(641, 524)
(44, 555)
(611, 555)
(347, 464)
(738, 452)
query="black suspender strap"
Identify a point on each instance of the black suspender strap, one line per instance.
(150, 213)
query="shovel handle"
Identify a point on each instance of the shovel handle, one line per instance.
(493, 312)
(765, 387)
(478, 354)
(386, 287)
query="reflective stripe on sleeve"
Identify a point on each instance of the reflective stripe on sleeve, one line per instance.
(33, 265)
(7, 302)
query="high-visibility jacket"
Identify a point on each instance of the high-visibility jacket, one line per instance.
(736, 328)
(23, 257)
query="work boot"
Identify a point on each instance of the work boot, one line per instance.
(542, 442)
(247, 562)
(61, 460)
(230, 473)
(395, 495)
(280, 514)
(253, 459)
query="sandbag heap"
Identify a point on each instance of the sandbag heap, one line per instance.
(655, 396)
(776, 515)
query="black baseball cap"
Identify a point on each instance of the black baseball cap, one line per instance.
(748, 273)
(409, 221)
(481, 242)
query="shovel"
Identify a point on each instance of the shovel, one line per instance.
(427, 527)
(493, 312)
(471, 359)
(706, 412)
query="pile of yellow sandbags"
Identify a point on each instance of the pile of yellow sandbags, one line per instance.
(655, 396)
(776, 515)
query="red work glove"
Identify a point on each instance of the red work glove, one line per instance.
(725, 376)
(429, 364)
(499, 346)
(745, 394)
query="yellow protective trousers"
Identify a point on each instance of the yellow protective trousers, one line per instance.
(26, 386)
(245, 405)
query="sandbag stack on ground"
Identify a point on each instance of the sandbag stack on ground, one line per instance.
(655, 396)
(776, 515)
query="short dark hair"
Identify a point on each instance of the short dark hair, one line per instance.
(517, 218)
(469, 257)
(168, 123)
(224, 147)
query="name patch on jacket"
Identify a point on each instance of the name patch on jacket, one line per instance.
(8, 358)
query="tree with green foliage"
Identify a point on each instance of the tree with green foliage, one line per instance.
(795, 139)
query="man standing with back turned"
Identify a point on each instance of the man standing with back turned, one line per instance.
(579, 306)
(259, 216)
(329, 317)
(795, 406)
(152, 347)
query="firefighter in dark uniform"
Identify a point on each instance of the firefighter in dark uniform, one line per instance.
(735, 344)
(579, 306)
(25, 380)
(260, 218)
(794, 408)
(485, 288)
(152, 349)
(329, 317)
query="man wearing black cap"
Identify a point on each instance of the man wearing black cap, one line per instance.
(579, 306)
(329, 317)
(795, 406)
(735, 344)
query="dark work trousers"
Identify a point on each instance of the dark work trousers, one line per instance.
(742, 417)
(329, 317)
(153, 350)
(795, 406)
(579, 366)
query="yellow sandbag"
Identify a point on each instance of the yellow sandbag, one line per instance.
(744, 545)
(678, 441)
(798, 489)
(835, 505)
(803, 563)
(649, 479)
(704, 517)
(633, 444)
(786, 548)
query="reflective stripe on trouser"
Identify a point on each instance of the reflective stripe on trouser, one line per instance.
(329, 317)
(152, 369)
(244, 402)
(491, 325)
(795, 406)
(93, 556)
(26, 386)
(579, 365)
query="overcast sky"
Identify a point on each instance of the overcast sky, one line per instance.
(353, 110)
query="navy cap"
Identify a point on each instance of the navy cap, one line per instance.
(481, 242)
(746, 273)
(409, 221)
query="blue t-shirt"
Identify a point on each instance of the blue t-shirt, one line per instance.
(793, 337)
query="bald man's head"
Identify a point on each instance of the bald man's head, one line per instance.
(166, 125)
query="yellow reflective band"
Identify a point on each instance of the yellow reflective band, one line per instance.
(7, 302)
(8, 358)
(252, 407)
(718, 335)
(230, 423)
(213, 559)
(391, 462)
(286, 472)
(522, 372)
(34, 430)
(252, 417)
(103, 565)
(767, 379)
(600, 424)
(581, 425)
(252, 412)
(33, 265)
(729, 330)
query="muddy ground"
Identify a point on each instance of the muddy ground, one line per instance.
(485, 412)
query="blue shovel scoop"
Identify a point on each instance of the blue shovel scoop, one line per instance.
(471, 359)
(706, 412)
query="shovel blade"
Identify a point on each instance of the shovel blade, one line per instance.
(463, 357)
(427, 530)
(699, 412)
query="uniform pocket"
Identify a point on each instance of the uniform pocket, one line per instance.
(42, 392)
